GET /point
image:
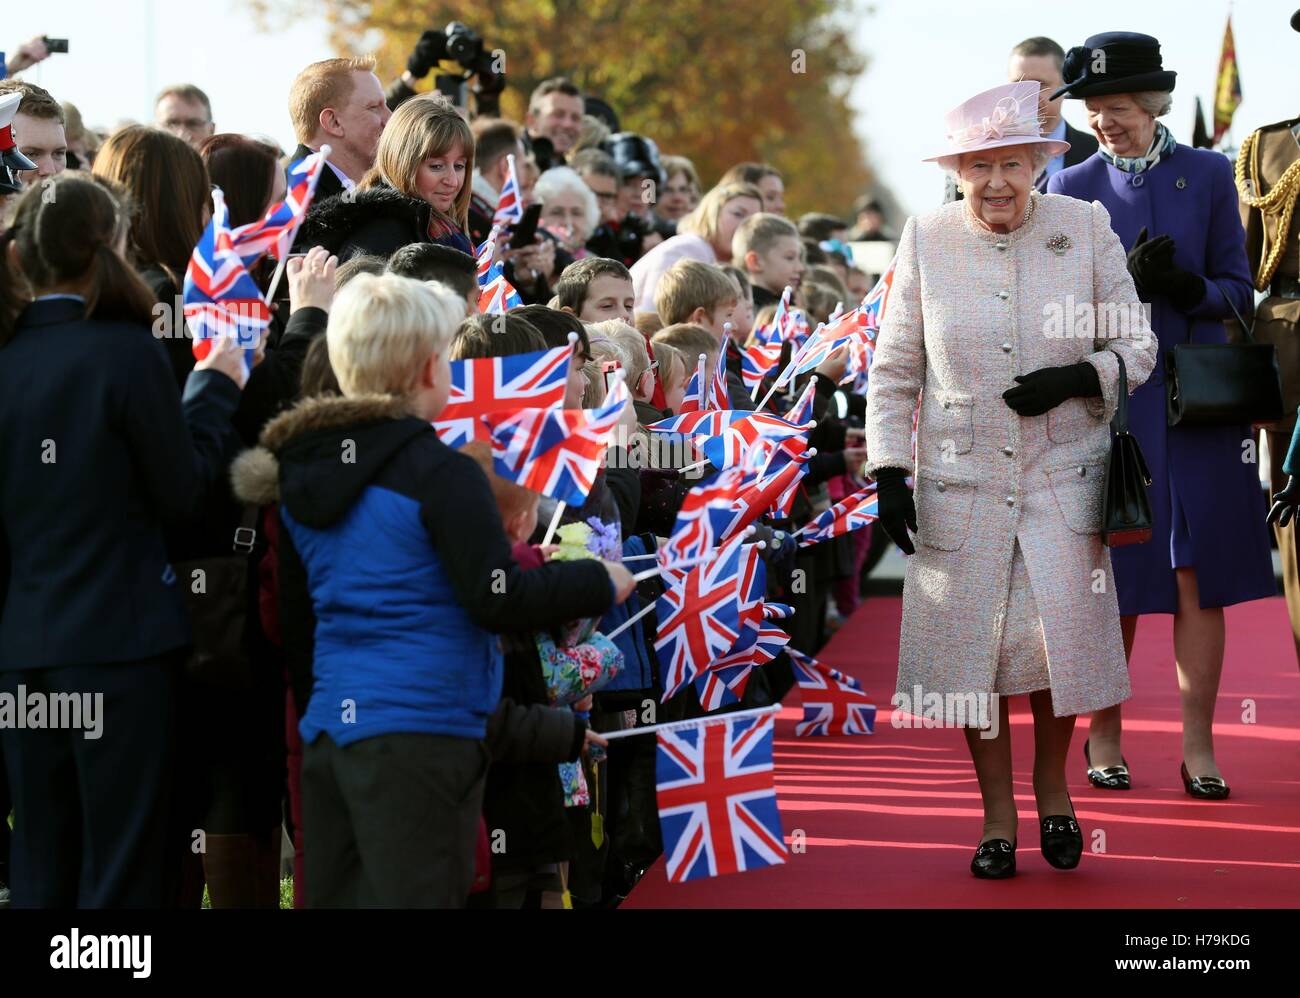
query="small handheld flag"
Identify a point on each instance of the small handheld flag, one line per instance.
(717, 800)
(510, 207)
(833, 703)
(220, 298)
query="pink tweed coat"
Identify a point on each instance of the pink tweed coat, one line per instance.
(969, 310)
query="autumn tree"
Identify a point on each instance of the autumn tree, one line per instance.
(719, 81)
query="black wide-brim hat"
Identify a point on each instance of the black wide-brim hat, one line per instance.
(1115, 62)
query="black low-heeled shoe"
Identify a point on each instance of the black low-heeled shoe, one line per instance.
(1061, 840)
(1204, 787)
(1110, 778)
(994, 860)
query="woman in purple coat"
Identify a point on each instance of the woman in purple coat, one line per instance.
(1175, 210)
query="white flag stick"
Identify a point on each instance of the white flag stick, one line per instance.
(693, 722)
(555, 523)
(288, 243)
(632, 620)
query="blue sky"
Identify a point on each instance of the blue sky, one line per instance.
(926, 56)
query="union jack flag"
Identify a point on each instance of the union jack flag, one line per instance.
(723, 680)
(497, 295)
(490, 384)
(755, 500)
(792, 450)
(764, 352)
(862, 349)
(510, 207)
(694, 398)
(704, 513)
(556, 452)
(850, 328)
(726, 679)
(833, 703)
(483, 255)
(274, 233)
(717, 801)
(777, 611)
(699, 617)
(847, 515)
(874, 303)
(798, 327)
(760, 358)
(702, 422)
(719, 398)
(220, 298)
(728, 448)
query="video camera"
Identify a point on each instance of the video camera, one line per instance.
(460, 44)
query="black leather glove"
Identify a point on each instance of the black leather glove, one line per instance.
(1285, 503)
(1038, 391)
(425, 54)
(1145, 256)
(897, 509)
(1151, 262)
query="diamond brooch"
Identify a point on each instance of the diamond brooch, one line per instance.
(1059, 243)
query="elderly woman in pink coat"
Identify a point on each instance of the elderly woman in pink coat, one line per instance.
(1010, 314)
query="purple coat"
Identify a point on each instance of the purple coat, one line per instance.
(1191, 197)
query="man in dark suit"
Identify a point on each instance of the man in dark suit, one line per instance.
(339, 103)
(1040, 59)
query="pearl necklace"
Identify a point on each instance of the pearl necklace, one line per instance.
(1029, 210)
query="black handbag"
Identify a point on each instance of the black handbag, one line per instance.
(1125, 508)
(216, 594)
(1222, 384)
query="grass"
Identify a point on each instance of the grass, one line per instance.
(286, 894)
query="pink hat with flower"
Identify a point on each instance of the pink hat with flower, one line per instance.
(1004, 116)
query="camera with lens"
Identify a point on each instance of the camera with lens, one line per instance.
(462, 45)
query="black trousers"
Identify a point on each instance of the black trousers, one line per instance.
(391, 821)
(6, 805)
(91, 815)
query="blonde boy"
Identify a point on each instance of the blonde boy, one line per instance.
(394, 554)
(769, 250)
(696, 293)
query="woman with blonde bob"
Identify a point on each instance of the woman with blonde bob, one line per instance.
(417, 191)
(704, 235)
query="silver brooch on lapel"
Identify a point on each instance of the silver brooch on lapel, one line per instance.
(1059, 243)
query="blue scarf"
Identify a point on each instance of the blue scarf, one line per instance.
(1162, 145)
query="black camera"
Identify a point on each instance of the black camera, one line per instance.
(461, 44)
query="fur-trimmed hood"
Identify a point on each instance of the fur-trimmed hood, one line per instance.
(365, 220)
(317, 457)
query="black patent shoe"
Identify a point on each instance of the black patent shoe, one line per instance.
(1110, 778)
(994, 860)
(1204, 787)
(1061, 841)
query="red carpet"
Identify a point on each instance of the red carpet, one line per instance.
(891, 820)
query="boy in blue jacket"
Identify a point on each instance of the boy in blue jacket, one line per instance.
(396, 574)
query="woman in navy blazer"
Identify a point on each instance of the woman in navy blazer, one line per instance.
(98, 452)
(1175, 210)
